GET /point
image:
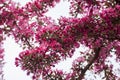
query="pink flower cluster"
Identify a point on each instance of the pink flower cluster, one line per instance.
(46, 43)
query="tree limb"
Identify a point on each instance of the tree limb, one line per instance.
(97, 51)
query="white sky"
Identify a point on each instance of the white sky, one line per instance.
(11, 72)
(12, 49)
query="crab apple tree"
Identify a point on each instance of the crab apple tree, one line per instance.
(92, 23)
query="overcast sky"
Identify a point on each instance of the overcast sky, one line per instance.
(11, 72)
(12, 49)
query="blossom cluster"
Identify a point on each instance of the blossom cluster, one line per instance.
(45, 42)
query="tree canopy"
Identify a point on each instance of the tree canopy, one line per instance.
(93, 23)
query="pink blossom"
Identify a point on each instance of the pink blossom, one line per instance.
(77, 45)
(80, 59)
(94, 24)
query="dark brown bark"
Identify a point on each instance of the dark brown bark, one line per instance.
(96, 51)
(117, 2)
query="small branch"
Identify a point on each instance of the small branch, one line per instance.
(76, 14)
(106, 76)
(97, 51)
(27, 42)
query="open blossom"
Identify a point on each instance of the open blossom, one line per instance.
(1, 53)
(98, 68)
(80, 59)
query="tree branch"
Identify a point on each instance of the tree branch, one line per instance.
(97, 51)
